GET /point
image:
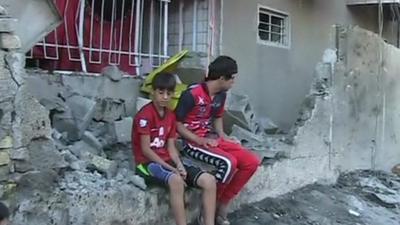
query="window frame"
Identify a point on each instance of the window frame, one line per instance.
(270, 12)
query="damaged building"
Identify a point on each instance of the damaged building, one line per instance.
(313, 98)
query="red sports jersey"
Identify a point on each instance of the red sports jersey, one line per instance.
(148, 122)
(197, 110)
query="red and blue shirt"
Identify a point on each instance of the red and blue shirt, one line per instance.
(149, 122)
(197, 110)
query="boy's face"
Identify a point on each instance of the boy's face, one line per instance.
(227, 84)
(4, 222)
(162, 97)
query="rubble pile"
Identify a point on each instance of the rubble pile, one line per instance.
(360, 197)
(64, 140)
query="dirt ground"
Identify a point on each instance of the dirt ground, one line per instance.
(358, 198)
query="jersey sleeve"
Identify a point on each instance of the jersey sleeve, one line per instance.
(185, 105)
(220, 111)
(142, 124)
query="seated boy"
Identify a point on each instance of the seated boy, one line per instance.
(156, 156)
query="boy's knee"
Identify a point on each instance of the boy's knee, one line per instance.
(176, 183)
(207, 181)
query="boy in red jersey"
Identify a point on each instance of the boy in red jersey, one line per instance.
(199, 115)
(156, 156)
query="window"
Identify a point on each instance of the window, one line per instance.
(273, 27)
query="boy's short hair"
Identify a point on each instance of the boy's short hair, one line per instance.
(222, 66)
(4, 212)
(164, 81)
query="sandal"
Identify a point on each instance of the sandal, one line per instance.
(222, 221)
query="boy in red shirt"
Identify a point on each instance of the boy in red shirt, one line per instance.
(199, 114)
(156, 156)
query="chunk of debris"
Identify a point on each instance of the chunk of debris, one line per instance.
(109, 109)
(3, 11)
(396, 169)
(103, 165)
(9, 41)
(123, 129)
(112, 72)
(7, 24)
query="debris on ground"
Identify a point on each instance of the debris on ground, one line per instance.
(358, 198)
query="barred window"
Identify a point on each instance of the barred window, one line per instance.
(273, 27)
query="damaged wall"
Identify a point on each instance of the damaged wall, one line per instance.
(277, 79)
(366, 108)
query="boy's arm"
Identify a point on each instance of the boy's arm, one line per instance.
(187, 134)
(173, 153)
(192, 137)
(185, 105)
(219, 127)
(151, 155)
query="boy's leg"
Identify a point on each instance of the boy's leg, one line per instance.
(224, 162)
(176, 192)
(247, 164)
(176, 187)
(207, 182)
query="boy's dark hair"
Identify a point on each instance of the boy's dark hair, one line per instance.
(4, 212)
(164, 81)
(222, 66)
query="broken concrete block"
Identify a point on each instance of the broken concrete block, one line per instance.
(396, 169)
(4, 158)
(83, 110)
(123, 130)
(138, 181)
(9, 41)
(3, 11)
(38, 180)
(79, 165)
(268, 125)
(4, 173)
(140, 102)
(30, 122)
(80, 147)
(8, 24)
(16, 64)
(44, 155)
(100, 164)
(238, 111)
(7, 142)
(112, 72)
(91, 140)
(109, 110)
(246, 136)
(65, 122)
(19, 154)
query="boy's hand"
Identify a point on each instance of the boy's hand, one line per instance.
(208, 142)
(233, 139)
(182, 171)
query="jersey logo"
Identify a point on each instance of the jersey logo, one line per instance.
(201, 101)
(142, 123)
(161, 131)
(157, 143)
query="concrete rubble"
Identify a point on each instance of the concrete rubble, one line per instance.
(361, 197)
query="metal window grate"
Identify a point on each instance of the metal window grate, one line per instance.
(96, 33)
